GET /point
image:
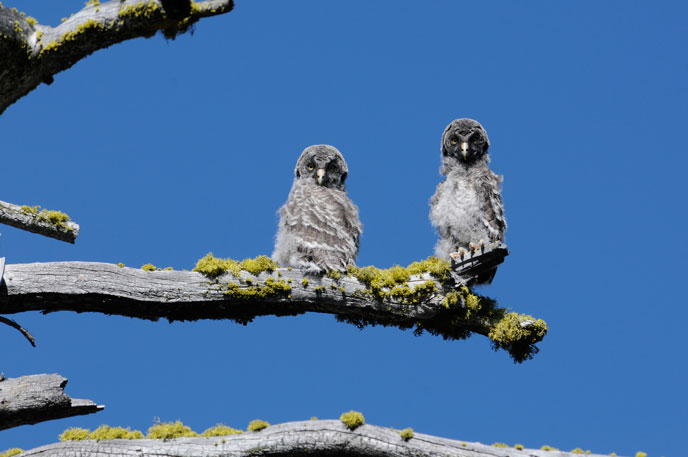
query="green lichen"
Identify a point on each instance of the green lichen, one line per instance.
(32, 210)
(406, 434)
(518, 339)
(352, 419)
(314, 418)
(640, 454)
(577, 451)
(91, 25)
(57, 218)
(105, 432)
(438, 268)
(519, 446)
(392, 283)
(334, 274)
(304, 282)
(16, 450)
(213, 267)
(258, 265)
(93, 2)
(257, 425)
(149, 267)
(548, 448)
(221, 430)
(271, 288)
(166, 430)
(141, 10)
(500, 445)
(74, 434)
(121, 265)
(32, 21)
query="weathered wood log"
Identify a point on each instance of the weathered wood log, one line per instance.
(422, 302)
(32, 53)
(292, 439)
(52, 224)
(38, 398)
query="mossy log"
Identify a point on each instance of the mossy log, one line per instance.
(32, 53)
(424, 304)
(52, 224)
(37, 398)
(292, 439)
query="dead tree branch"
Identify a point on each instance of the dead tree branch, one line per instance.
(292, 439)
(424, 303)
(52, 224)
(32, 53)
(38, 398)
(21, 329)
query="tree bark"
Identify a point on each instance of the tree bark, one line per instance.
(38, 398)
(187, 295)
(37, 221)
(295, 439)
(32, 53)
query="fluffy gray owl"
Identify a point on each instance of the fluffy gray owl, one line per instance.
(467, 207)
(319, 229)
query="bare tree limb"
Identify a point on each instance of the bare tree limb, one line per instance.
(426, 304)
(53, 224)
(21, 329)
(296, 439)
(32, 53)
(38, 398)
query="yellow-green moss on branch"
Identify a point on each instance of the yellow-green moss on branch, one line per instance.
(50, 223)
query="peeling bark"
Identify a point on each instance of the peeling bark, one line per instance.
(32, 53)
(292, 439)
(38, 398)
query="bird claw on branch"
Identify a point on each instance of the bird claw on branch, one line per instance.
(467, 265)
(407, 298)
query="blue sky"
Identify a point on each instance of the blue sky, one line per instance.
(165, 150)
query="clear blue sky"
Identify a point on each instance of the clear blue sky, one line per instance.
(165, 150)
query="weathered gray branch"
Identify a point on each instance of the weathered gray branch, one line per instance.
(292, 439)
(32, 53)
(184, 295)
(38, 398)
(39, 221)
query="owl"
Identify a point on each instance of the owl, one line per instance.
(319, 229)
(467, 207)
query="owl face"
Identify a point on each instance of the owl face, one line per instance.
(465, 140)
(323, 165)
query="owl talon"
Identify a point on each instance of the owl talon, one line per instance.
(459, 254)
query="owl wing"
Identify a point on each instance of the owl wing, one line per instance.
(489, 187)
(324, 227)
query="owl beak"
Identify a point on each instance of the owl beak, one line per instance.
(464, 149)
(320, 174)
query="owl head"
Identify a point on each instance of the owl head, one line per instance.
(464, 142)
(323, 165)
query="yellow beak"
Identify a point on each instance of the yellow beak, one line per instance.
(320, 174)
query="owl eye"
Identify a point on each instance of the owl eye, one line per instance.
(454, 141)
(310, 167)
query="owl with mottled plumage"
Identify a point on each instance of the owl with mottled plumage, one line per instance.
(467, 207)
(319, 229)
